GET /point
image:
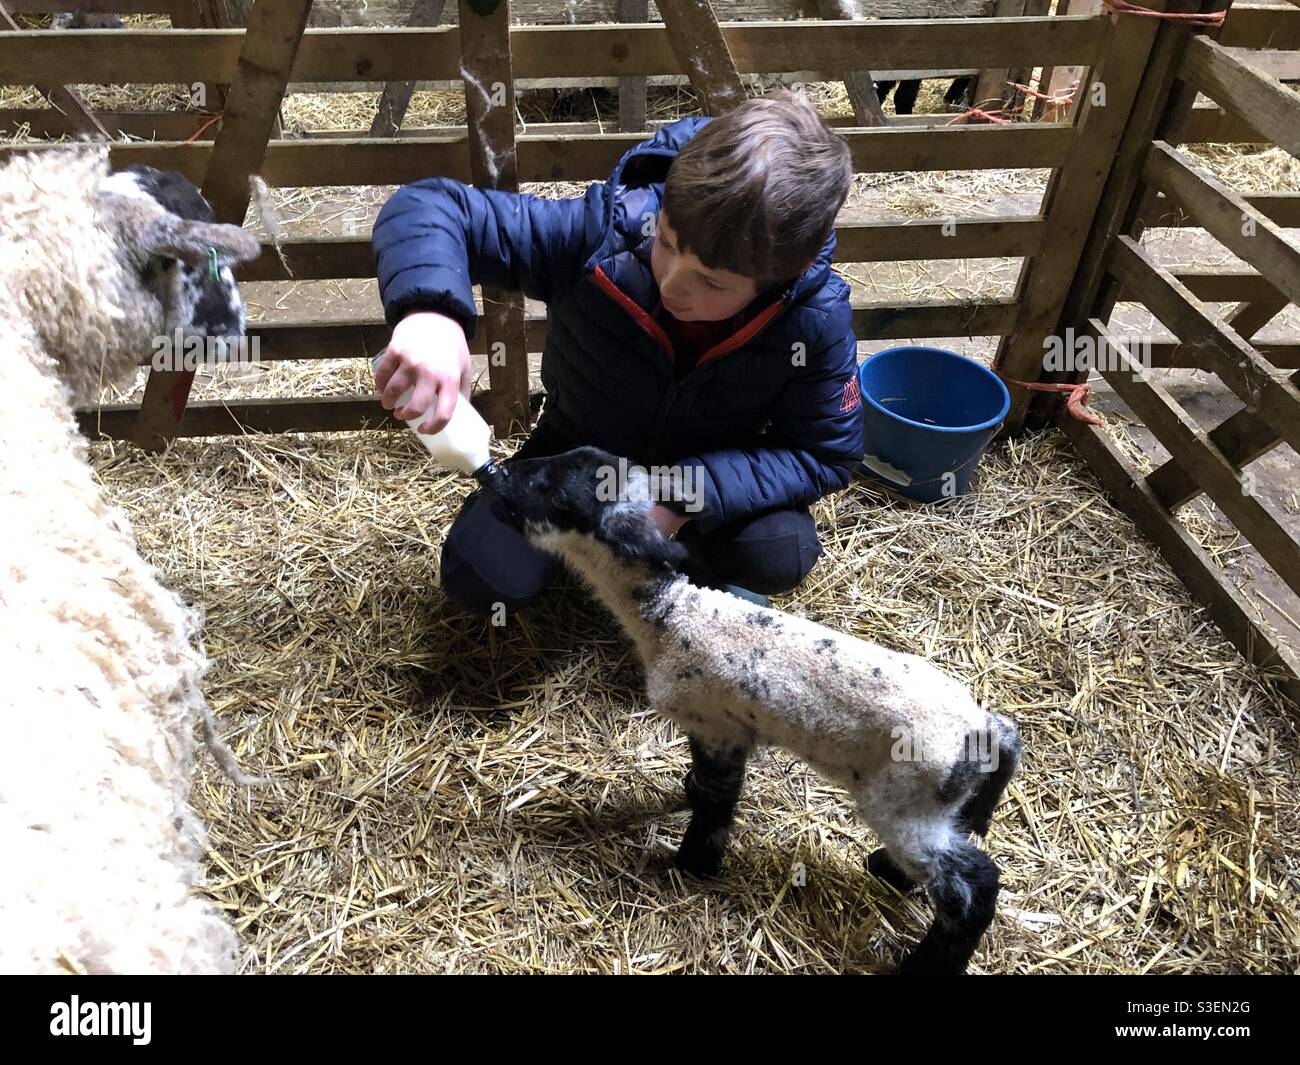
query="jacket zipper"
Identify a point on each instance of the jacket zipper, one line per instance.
(738, 338)
(661, 419)
(743, 335)
(646, 322)
(635, 310)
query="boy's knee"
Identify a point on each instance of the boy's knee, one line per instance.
(468, 590)
(782, 567)
(488, 566)
(771, 554)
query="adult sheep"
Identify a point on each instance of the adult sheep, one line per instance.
(99, 678)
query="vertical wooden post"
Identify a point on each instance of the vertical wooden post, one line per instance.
(860, 84)
(271, 42)
(1058, 81)
(991, 89)
(490, 112)
(214, 15)
(700, 48)
(1013, 100)
(202, 14)
(1071, 201)
(1160, 107)
(632, 89)
(396, 97)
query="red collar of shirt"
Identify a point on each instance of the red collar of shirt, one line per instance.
(693, 339)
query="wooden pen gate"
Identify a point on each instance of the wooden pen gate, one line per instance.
(1154, 183)
(258, 65)
(1113, 156)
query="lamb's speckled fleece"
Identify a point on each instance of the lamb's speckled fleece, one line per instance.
(99, 672)
(923, 761)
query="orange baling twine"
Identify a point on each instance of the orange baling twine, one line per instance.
(976, 112)
(1077, 403)
(1209, 19)
(199, 132)
(1054, 103)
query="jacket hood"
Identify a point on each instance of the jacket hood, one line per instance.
(631, 192)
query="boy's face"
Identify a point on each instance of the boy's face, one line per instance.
(690, 291)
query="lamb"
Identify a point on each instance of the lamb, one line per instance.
(923, 762)
(101, 677)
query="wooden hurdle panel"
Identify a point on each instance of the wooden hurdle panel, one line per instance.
(1154, 181)
(171, 125)
(573, 152)
(1050, 241)
(1257, 27)
(249, 116)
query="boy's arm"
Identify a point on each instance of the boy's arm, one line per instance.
(436, 238)
(816, 444)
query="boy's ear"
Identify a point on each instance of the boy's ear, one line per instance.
(633, 536)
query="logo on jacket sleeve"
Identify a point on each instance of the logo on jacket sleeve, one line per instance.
(852, 395)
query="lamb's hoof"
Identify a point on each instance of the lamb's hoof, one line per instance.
(926, 962)
(703, 862)
(882, 867)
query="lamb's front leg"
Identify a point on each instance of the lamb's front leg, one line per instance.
(712, 788)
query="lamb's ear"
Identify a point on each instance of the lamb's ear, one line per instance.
(189, 241)
(632, 535)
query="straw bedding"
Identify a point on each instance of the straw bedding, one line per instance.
(455, 797)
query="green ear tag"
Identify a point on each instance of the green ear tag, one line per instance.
(214, 270)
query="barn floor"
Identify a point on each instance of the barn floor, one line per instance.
(453, 797)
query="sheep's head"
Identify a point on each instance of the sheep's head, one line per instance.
(589, 492)
(97, 267)
(165, 227)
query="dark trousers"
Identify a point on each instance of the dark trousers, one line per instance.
(485, 562)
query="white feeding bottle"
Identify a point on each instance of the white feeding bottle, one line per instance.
(462, 444)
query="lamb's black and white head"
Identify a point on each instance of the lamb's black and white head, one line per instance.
(182, 256)
(585, 504)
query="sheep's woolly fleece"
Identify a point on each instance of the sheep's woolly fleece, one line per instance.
(101, 674)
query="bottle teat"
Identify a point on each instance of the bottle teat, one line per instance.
(491, 475)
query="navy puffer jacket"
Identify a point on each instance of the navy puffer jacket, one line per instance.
(771, 414)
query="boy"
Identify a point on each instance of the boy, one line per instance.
(694, 322)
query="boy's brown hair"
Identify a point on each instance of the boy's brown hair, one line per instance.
(755, 191)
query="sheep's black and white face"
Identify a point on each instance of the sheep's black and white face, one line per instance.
(198, 295)
(586, 491)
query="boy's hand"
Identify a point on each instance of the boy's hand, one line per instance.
(428, 351)
(669, 521)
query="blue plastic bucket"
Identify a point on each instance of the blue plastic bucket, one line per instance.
(928, 416)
